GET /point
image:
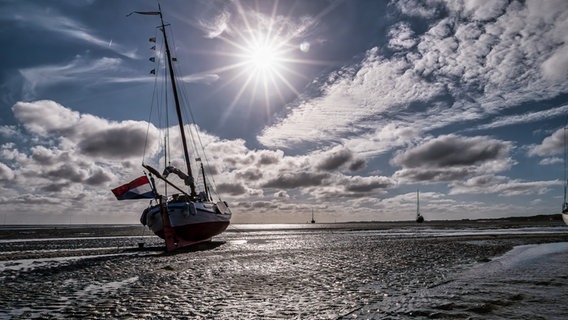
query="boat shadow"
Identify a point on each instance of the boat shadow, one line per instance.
(204, 246)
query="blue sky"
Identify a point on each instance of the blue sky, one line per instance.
(353, 106)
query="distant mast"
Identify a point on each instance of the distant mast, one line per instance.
(419, 217)
(313, 220)
(564, 202)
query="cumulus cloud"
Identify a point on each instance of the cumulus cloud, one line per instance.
(91, 135)
(452, 151)
(367, 184)
(6, 173)
(500, 185)
(401, 36)
(551, 145)
(296, 180)
(45, 117)
(452, 157)
(334, 159)
(69, 155)
(232, 189)
(556, 67)
(433, 175)
(440, 65)
(75, 155)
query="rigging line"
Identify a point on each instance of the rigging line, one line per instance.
(238, 230)
(196, 140)
(565, 165)
(152, 104)
(191, 117)
(165, 123)
(199, 144)
(179, 89)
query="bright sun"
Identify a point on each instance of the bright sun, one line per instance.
(263, 57)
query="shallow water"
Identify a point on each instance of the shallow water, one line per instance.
(286, 273)
(528, 282)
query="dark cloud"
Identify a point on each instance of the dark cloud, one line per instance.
(99, 177)
(440, 66)
(250, 174)
(66, 172)
(357, 164)
(115, 143)
(56, 187)
(367, 184)
(236, 160)
(95, 137)
(211, 169)
(296, 180)
(334, 160)
(434, 174)
(267, 158)
(233, 189)
(452, 151)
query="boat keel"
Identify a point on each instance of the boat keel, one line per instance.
(173, 242)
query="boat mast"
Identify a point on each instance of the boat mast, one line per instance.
(176, 100)
(205, 183)
(565, 168)
(417, 203)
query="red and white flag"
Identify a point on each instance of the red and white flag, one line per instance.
(139, 188)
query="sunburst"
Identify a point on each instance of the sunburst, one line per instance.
(261, 55)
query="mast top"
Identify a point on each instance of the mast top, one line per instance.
(175, 93)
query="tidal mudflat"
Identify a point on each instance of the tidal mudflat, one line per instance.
(335, 271)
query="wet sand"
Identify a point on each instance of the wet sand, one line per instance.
(316, 272)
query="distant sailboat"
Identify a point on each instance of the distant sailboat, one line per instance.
(419, 217)
(313, 219)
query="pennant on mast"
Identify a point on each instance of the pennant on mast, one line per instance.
(149, 13)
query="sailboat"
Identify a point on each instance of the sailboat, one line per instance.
(419, 217)
(313, 219)
(189, 215)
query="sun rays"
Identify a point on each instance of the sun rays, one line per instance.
(262, 57)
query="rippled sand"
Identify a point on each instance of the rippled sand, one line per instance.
(325, 273)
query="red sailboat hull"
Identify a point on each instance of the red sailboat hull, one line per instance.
(197, 233)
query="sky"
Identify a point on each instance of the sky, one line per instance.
(343, 108)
